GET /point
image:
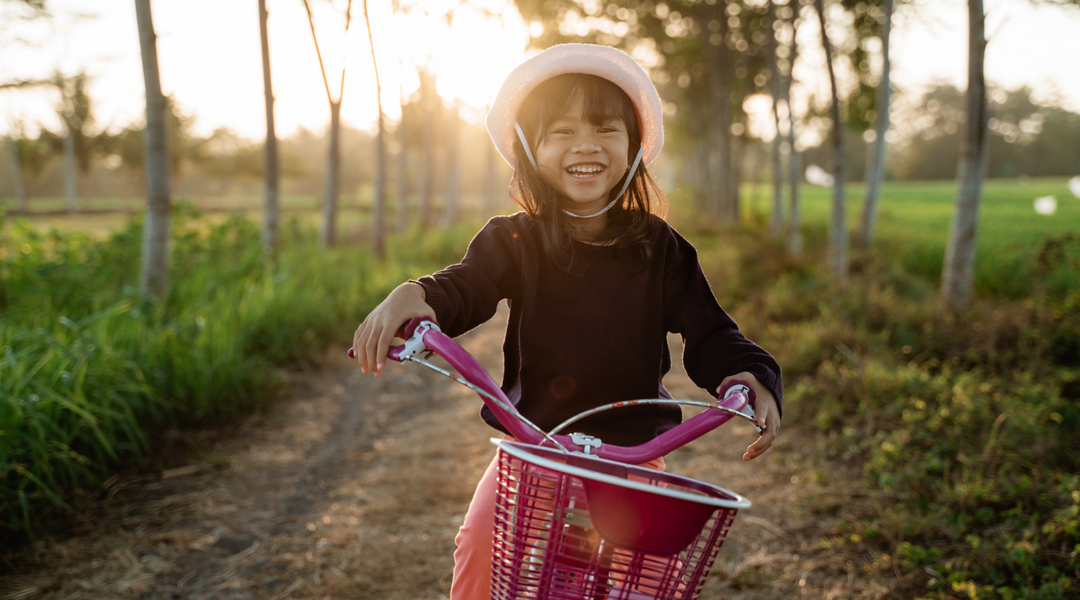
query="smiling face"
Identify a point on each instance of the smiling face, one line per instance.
(583, 130)
(582, 158)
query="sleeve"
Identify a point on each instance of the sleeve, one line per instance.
(467, 294)
(713, 346)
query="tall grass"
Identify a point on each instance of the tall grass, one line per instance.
(970, 422)
(89, 370)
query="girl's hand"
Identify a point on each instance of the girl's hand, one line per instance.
(768, 415)
(372, 339)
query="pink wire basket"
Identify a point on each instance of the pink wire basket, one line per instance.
(569, 526)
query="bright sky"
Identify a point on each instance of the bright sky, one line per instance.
(210, 58)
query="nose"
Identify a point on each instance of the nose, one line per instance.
(586, 143)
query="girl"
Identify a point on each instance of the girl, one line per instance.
(594, 278)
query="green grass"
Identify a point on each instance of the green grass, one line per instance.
(913, 228)
(89, 370)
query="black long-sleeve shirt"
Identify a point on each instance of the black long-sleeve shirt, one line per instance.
(599, 335)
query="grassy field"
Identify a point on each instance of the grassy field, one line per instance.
(913, 227)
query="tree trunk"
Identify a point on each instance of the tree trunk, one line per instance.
(155, 250)
(21, 191)
(777, 226)
(328, 234)
(957, 272)
(427, 190)
(71, 175)
(875, 167)
(794, 234)
(333, 165)
(378, 213)
(452, 199)
(701, 164)
(734, 166)
(838, 242)
(722, 181)
(402, 176)
(378, 217)
(272, 210)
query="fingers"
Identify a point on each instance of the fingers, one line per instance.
(371, 348)
(762, 444)
(386, 336)
(358, 344)
(768, 417)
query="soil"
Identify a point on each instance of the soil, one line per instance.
(354, 486)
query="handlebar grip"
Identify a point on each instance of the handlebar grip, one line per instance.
(751, 395)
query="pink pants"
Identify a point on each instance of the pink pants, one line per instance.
(472, 559)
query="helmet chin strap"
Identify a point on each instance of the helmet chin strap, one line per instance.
(626, 184)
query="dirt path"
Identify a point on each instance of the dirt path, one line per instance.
(353, 487)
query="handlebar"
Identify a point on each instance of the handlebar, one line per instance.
(422, 334)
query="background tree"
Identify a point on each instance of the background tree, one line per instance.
(11, 146)
(271, 177)
(838, 241)
(76, 116)
(328, 234)
(452, 196)
(430, 108)
(378, 234)
(402, 174)
(792, 18)
(777, 225)
(155, 252)
(958, 269)
(1027, 138)
(875, 165)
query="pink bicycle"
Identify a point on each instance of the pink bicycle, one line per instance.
(574, 519)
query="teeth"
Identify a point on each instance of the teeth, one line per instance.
(585, 170)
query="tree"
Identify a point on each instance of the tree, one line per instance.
(155, 251)
(794, 235)
(21, 191)
(452, 197)
(430, 107)
(875, 167)
(272, 210)
(838, 242)
(328, 234)
(77, 143)
(777, 225)
(957, 271)
(378, 236)
(402, 184)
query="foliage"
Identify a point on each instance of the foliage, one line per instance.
(1027, 138)
(970, 422)
(89, 371)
